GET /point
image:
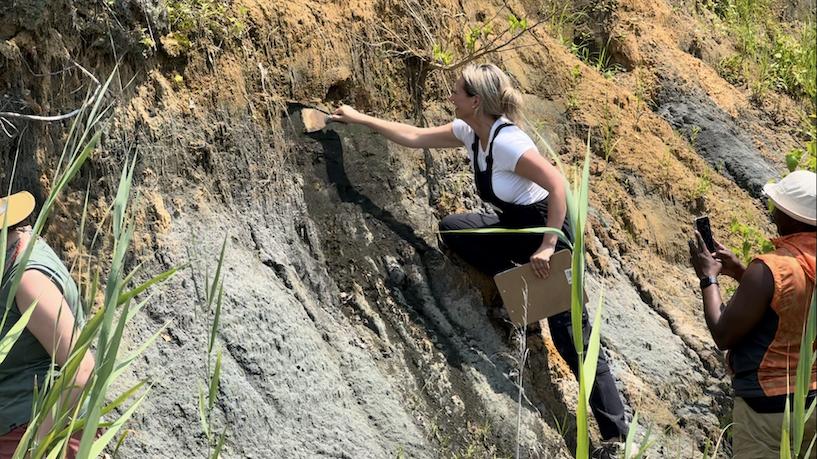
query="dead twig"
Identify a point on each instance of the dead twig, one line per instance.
(88, 102)
(491, 47)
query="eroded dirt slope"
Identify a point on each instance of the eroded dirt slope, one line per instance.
(346, 332)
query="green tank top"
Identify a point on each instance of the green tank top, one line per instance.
(28, 361)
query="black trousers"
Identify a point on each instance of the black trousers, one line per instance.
(493, 253)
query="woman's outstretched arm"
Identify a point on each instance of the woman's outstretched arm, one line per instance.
(404, 134)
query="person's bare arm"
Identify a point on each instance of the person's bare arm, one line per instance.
(745, 309)
(404, 134)
(537, 169)
(52, 323)
(728, 325)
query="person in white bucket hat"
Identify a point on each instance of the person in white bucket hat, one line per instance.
(795, 196)
(49, 336)
(762, 326)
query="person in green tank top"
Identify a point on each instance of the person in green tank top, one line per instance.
(50, 333)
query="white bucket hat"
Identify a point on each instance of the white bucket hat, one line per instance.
(18, 206)
(796, 196)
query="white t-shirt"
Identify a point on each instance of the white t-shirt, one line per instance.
(510, 144)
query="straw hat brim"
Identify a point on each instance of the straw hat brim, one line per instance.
(16, 208)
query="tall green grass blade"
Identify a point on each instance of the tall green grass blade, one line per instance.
(75, 164)
(202, 413)
(220, 444)
(127, 280)
(130, 294)
(206, 302)
(216, 320)
(85, 305)
(100, 386)
(572, 208)
(110, 433)
(60, 450)
(810, 447)
(91, 292)
(119, 443)
(212, 295)
(646, 442)
(79, 424)
(214, 382)
(785, 442)
(804, 372)
(810, 409)
(108, 346)
(88, 333)
(122, 398)
(592, 358)
(577, 300)
(14, 332)
(122, 366)
(628, 443)
(532, 230)
(147, 298)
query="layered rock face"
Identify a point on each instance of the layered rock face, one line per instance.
(346, 330)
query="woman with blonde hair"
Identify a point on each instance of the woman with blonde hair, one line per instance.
(523, 188)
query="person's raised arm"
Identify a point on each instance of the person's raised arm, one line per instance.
(404, 134)
(52, 323)
(729, 324)
(537, 169)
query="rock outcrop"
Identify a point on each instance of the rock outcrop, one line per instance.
(346, 331)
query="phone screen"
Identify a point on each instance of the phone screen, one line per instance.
(702, 225)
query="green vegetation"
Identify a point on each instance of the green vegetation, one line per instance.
(751, 241)
(480, 40)
(805, 159)
(771, 55)
(642, 92)
(561, 20)
(104, 328)
(599, 59)
(796, 416)
(703, 184)
(608, 127)
(481, 31)
(210, 295)
(190, 19)
(573, 95)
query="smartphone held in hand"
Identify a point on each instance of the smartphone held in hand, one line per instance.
(702, 225)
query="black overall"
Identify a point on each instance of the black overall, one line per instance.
(496, 252)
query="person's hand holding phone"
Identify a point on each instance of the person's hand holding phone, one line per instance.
(701, 251)
(730, 263)
(705, 264)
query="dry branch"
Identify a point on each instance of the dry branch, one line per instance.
(88, 102)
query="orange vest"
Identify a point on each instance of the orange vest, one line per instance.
(793, 266)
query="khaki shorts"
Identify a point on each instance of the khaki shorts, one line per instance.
(757, 435)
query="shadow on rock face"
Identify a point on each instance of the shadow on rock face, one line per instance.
(333, 155)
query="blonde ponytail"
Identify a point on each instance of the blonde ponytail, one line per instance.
(499, 98)
(512, 104)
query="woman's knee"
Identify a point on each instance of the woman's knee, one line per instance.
(452, 222)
